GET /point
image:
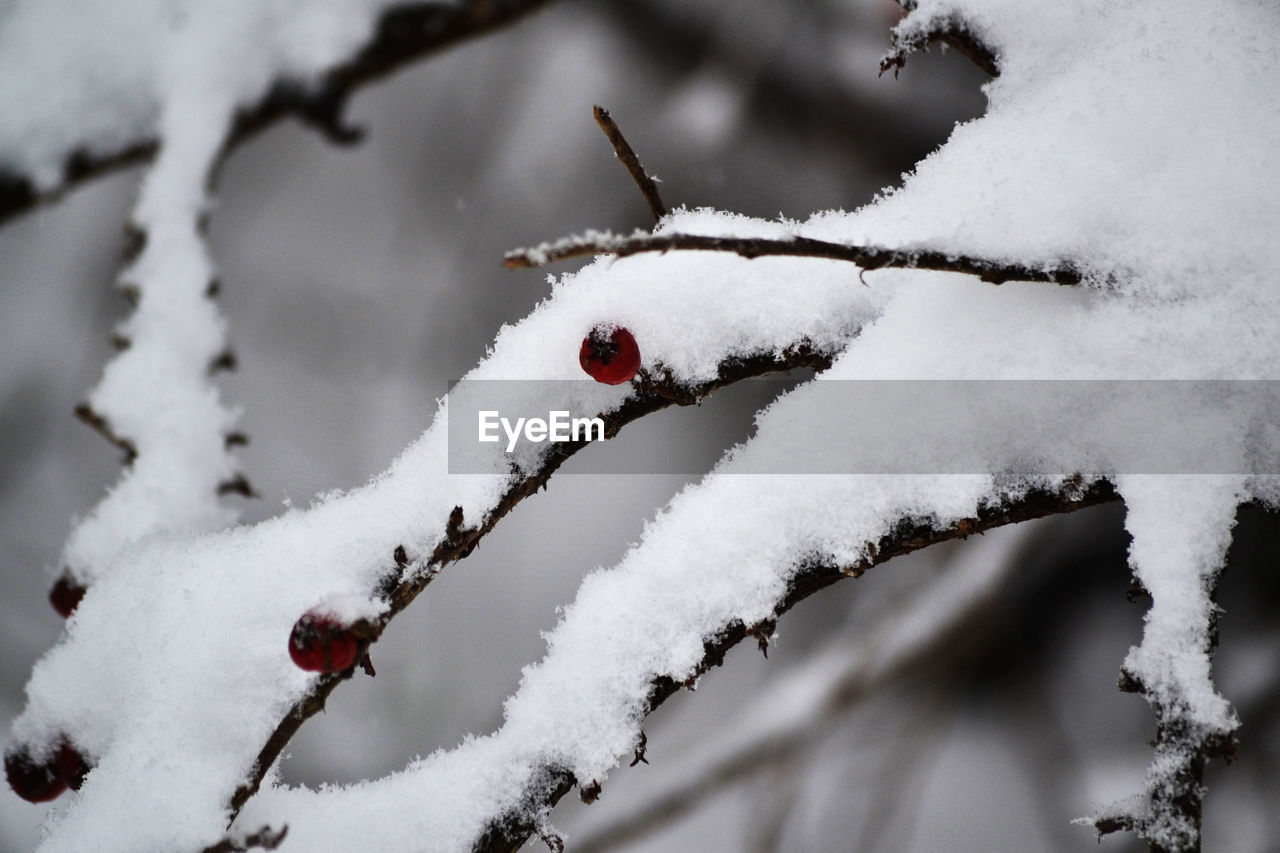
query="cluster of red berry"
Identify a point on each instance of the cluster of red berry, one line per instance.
(319, 642)
(41, 778)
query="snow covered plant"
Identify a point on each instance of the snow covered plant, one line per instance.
(1120, 187)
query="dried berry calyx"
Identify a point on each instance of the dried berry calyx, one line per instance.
(66, 594)
(611, 356)
(320, 642)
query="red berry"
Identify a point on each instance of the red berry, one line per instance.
(66, 594)
(613, 358)
(321, 643)
(32, 780)
(72, 767)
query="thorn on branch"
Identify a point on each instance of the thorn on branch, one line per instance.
(135, 240)
(225, 361)
(1135, 591)
(99, 425)
(321, 110)
(624, 152)
(238, 485)
(763, 632)
(640, 750)
(66, 593)
(455, 545)
(662, 383)
(590, 794)
(400, 556)
(1128, 682)
(366, 664)
(552, 839)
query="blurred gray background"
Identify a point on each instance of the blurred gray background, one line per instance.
(358, 282)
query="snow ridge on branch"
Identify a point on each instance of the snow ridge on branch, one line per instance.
(569, 725)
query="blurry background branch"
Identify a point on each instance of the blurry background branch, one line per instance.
(404, 34)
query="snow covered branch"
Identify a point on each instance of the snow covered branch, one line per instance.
(404, 33)
(867, 258)
(1055, 184)
(1180, 539)
(459, 540)
(550, 783)
(798, 711)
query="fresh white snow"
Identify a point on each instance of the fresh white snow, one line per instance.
(1136, 140)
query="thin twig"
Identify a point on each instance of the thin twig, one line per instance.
(866, 257)
(956, 36)
(951, 31)
(629, 159)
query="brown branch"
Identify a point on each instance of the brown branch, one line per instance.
(404, 34)
(629, 159)
(401, 587)
(264, 839)
(866, 671)
(866, 257)
(99, 425)
(511, 830)
(951, 32)
(1171, 813)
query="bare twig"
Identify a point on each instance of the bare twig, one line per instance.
(948, 29)
(866, 257)
(405, 33)
(950, 33)
(629, 159)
